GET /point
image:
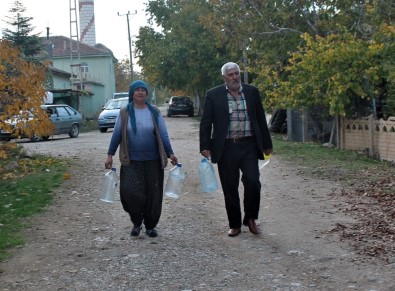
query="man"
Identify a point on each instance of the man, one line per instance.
(234, 133)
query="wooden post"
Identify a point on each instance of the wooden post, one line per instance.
(371, 135)
(341, 126)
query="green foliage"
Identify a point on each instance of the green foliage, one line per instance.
(184, 55)
(29, 44)
(386, 36)
(25, 189)
(122, 76)
(332, 71)
(269, 39)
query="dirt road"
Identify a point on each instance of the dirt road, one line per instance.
(81, 243)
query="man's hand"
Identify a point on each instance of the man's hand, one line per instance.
(206, 154)
(267, 152)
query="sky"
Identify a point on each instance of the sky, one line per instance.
(111, 29)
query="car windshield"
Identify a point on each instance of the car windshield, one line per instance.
(180, 100)
(117, 104)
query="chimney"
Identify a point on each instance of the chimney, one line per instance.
(87, 22)
(49, 49)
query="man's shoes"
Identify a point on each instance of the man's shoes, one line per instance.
(135, 231)
(234, 232)
(253, 227)
(151, 232)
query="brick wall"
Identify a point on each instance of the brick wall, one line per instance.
(376, 137)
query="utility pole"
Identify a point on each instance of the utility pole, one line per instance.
(130, 43)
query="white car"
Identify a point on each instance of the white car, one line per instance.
(110, 113)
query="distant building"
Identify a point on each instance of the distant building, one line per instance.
(83, 71)
(97, 73)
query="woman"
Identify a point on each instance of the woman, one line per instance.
(144, 146)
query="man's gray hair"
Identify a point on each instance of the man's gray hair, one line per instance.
(229, 66)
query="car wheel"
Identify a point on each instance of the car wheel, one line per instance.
(45, 137)
(5, 138)
(168, 114)
(103, 129)
(74, 131)
(191, 114)
(35, 137)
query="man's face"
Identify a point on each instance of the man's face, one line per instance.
(232, 79)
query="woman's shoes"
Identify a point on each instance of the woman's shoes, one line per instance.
(135, 231)
(151, 232)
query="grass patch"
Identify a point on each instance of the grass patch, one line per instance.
(347, 166)
(25, 189)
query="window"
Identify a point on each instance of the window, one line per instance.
(84, 67)
(62, 111)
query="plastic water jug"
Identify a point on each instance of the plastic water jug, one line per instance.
(207, 177)
(263, 163)
(175, 182)
(110, 186)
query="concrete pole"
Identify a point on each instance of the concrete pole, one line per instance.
(130, 43)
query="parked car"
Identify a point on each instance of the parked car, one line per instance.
(105, 105)
(110, 113)
(180, 105)
(65, 119)
(116, 95)
(120, 95)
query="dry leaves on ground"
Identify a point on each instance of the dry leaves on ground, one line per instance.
(372, 204)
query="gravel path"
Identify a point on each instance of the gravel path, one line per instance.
(81, 243)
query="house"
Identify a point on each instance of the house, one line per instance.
(83, 71)
(94, 79)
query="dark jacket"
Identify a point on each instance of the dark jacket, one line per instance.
(215, 120)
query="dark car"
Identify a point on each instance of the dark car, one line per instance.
(180, 105)
(66, 120)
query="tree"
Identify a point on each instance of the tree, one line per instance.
(122, 75)
(345, 63)
(337, 71)
(21, 93)
(29, 44)
(184, 55)
(278, 44)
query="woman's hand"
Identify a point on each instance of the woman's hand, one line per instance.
(108, 162)
(173, 159)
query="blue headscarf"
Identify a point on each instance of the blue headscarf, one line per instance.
(136, 84)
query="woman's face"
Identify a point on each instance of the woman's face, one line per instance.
(139, 94)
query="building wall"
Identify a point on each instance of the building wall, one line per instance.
(93, 105)
(61, 82)
(100, 76)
